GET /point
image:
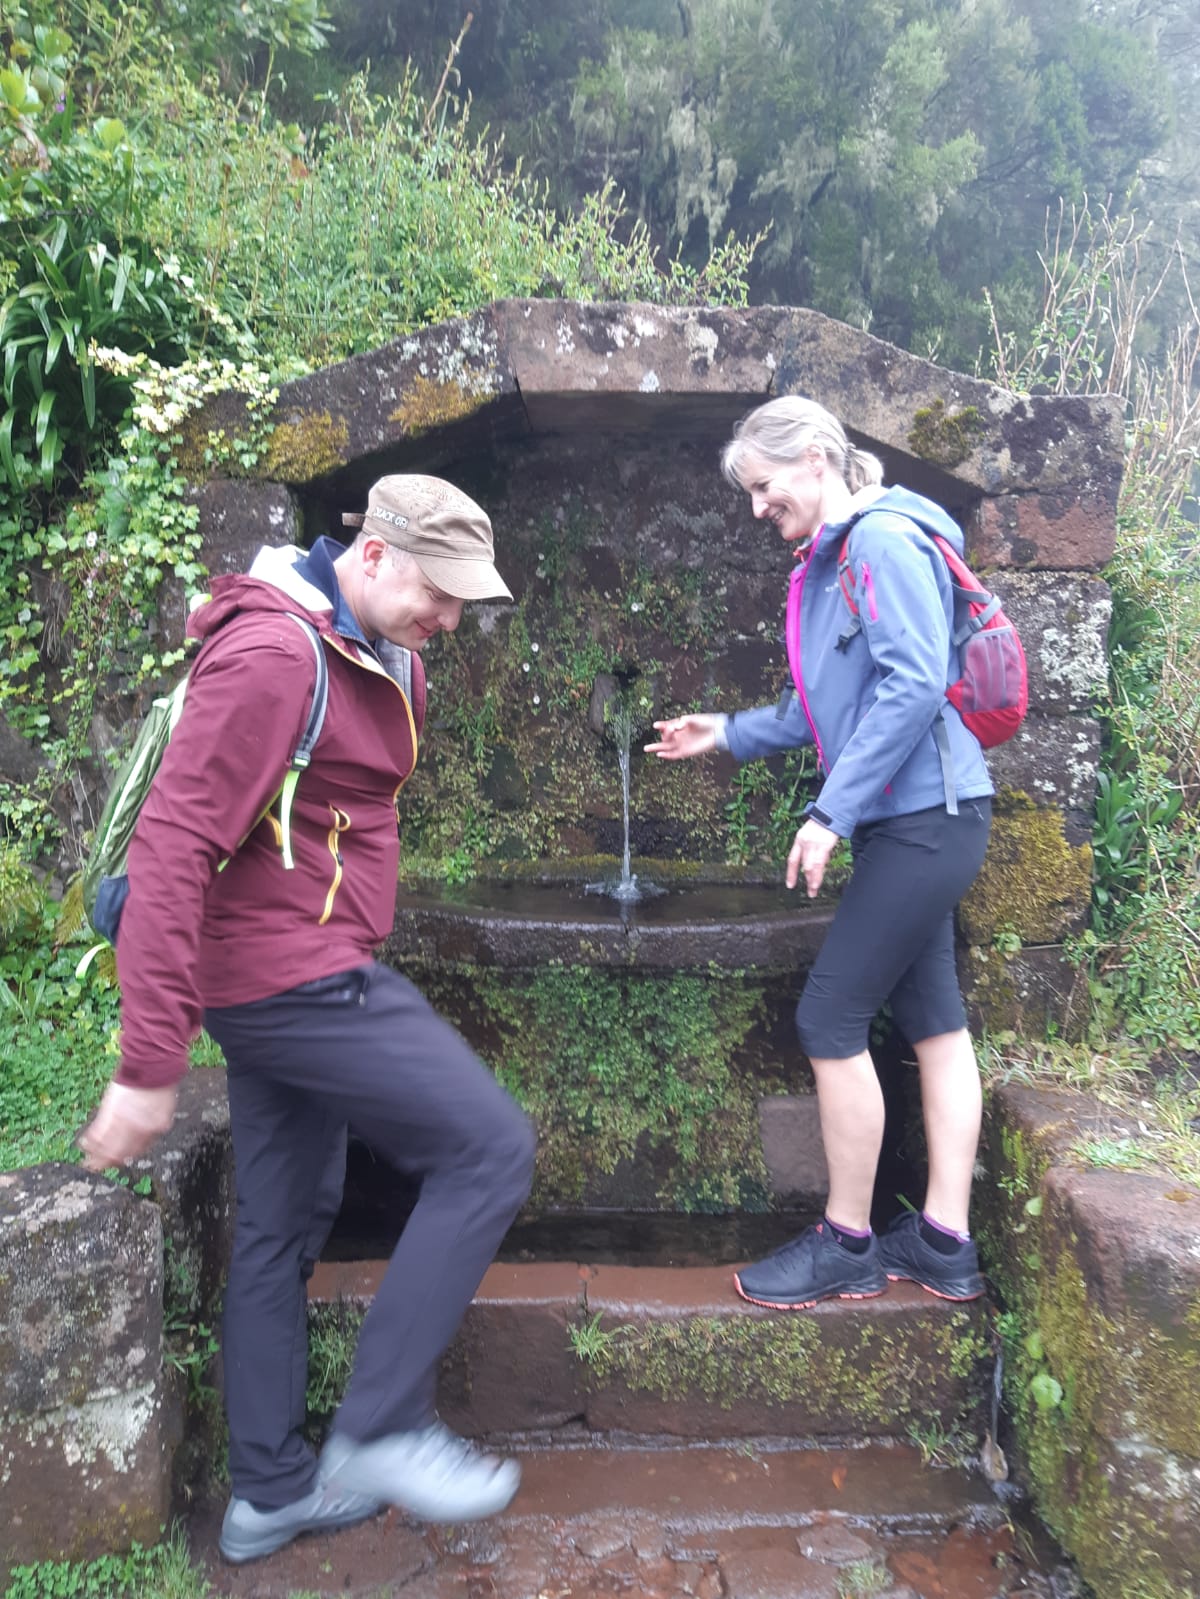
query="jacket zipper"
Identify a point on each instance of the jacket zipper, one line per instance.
(341, 824)
(795, 599)
(378, 670)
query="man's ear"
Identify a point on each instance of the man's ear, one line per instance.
(373, 552)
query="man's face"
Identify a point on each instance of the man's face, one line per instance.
(400, 604)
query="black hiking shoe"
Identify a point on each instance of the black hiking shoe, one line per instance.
(810, 1268)
(905, 1253)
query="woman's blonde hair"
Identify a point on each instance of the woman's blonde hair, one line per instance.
(782, 429)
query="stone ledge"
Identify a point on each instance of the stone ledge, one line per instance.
(691, 1359)
(1102, 1268)
(679, 1354)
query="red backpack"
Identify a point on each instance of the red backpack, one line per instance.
(992, 695)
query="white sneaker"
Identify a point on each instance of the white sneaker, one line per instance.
(247, 1533)
(432, 1473)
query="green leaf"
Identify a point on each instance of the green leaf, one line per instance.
(54, 344)
(1033, 1207)
(51, 453)
(6, 453)
(124, 267)
(111, 132)
(59, 237)
(17, 91)
(41, 417)
(1046, 1390)
(34, 363)
(87, 382)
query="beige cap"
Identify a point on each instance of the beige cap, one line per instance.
(447, 534)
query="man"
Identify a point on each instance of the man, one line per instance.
(271, 948)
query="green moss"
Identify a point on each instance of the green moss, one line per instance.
(1129, 1380)
(1033, 883)
(430, 404)
(876, 1377)
(944, 437)
(298, 452)
(650, 1076)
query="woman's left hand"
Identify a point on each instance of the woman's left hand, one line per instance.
(810, 855)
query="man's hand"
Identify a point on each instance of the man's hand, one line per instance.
(126, 1124)
(684, 736)
(810, 855)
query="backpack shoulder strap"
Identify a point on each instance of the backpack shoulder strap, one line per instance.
(302, 754)
(845, 574)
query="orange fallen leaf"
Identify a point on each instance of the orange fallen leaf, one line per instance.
(839, 1478)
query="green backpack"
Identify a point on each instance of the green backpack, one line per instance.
(105, 877)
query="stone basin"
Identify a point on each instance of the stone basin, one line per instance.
(692, 925)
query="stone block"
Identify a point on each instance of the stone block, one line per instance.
(1063, 530)
(83, 1480)
(777, 1574)
(81, 1279)
(1134, 1235)
(1063, 622)
(511, 1367)
(688, 1358)
(793, 1150)
(1022, 993)
(237, 517)
(1053, 760)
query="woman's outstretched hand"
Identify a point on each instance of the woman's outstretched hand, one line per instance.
(684, 736)
(810, 855)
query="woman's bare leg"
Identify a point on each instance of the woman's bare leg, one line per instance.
(851, 1105)
(952, 1103)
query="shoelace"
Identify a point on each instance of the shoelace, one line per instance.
(446, 1450)
(803, 1244)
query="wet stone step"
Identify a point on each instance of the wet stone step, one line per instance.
(739, 1520)
(674, 1351)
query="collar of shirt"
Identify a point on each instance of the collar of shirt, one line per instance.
(317, 568)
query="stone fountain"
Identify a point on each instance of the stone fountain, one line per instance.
(651, 1039)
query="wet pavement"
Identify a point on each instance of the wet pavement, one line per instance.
(602, 1516)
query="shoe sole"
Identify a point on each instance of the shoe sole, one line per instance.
(807, 1304)
(238, 1555)
(938, 1293)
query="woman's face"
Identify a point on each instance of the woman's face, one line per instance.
(788, 494)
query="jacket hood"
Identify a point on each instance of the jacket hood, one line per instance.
(876, 501)
(272, 584)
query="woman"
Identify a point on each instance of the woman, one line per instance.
(906, 783)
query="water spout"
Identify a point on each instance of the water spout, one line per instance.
(626, 890)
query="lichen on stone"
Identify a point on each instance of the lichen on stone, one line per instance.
(429, 403)
(308, 448)
(1033, 883)
(944, 437)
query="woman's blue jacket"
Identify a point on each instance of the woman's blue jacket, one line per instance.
(871, 703)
